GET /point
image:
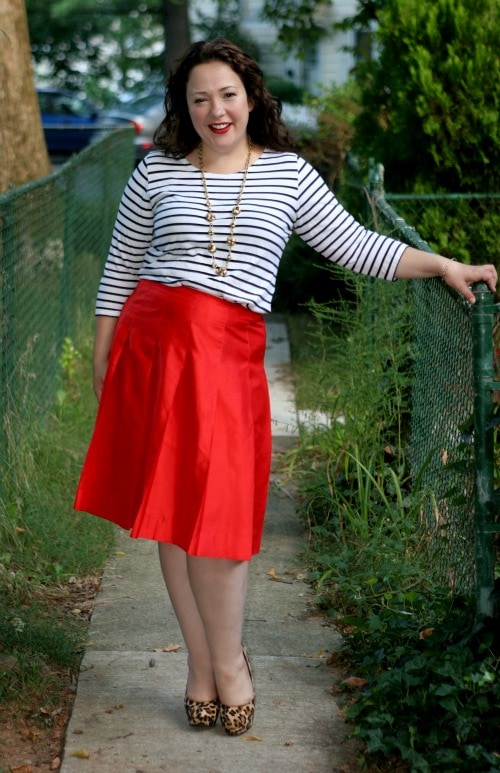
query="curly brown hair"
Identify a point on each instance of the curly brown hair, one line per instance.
(176, 135)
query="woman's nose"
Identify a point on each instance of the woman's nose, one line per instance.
(218, 108)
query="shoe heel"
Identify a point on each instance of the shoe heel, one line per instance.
(236, 720)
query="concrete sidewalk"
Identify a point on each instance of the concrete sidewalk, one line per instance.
(128, 715)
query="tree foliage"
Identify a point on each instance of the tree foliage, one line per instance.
(98, 45)
(431, 100)
(225, 23)
(300, 23)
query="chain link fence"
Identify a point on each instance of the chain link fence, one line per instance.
(454, 407)
(54, 237)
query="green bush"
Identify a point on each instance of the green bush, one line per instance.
(285, 90)
(463, 228)
(432, 689)
(431, 97)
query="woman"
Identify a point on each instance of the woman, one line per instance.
(181, 449)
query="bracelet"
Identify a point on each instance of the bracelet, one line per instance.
(445, 269)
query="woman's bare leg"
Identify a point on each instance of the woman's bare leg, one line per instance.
(201, 681)
(219, 587)
(208, 596)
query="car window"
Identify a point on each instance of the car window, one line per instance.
(143, 103)
(64, 105)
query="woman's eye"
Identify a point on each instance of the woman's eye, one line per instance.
(230, 94)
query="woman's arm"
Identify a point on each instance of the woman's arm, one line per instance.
(417, 264)
(104, 332)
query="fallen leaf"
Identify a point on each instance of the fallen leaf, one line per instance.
(426, 633)
(169, 648)
(82, 754)
(333, 658)
(316, 654)
(120, 553)
(8, 662)
(354, 681)
(289, 742)
(119, 706)
(252, 737)
(273, 576)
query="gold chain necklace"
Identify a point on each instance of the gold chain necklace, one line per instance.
(231, 241)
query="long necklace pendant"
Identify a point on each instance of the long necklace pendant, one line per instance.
(222, 271)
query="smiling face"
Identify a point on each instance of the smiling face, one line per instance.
(219, 109)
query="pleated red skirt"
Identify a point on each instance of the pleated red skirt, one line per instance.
(182, 442)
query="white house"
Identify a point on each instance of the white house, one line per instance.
(327, 64)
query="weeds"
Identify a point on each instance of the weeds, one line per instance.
(428, 688)
(46, 549)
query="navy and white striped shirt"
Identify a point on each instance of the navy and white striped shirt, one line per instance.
(161, 230)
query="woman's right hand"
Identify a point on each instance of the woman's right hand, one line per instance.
(100, 369)
(104, 332)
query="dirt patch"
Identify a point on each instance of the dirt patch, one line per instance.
(32, 744)
(32, 735)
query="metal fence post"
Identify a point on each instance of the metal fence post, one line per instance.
(483, 375)
(7, 340)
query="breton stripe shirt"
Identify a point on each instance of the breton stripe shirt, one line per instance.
(161, 230)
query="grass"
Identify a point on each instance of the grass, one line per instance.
(50, 556)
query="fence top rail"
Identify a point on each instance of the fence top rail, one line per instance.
(12, 194)
(409, 234)
(440, 196)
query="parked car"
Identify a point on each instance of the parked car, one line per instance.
(69, 122)
(145, 114)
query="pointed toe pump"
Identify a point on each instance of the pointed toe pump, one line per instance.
(236, 720)
(201, 713)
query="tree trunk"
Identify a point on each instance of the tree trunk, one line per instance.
(176, 25)
(23, 151)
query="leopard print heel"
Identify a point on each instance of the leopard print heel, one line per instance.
(201, 713)
(236, 720)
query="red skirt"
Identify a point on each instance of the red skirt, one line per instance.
(181, 448)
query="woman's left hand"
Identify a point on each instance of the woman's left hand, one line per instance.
(419, 264)
(460, 276)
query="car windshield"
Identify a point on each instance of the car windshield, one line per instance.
(141, 104)
(64, 104)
